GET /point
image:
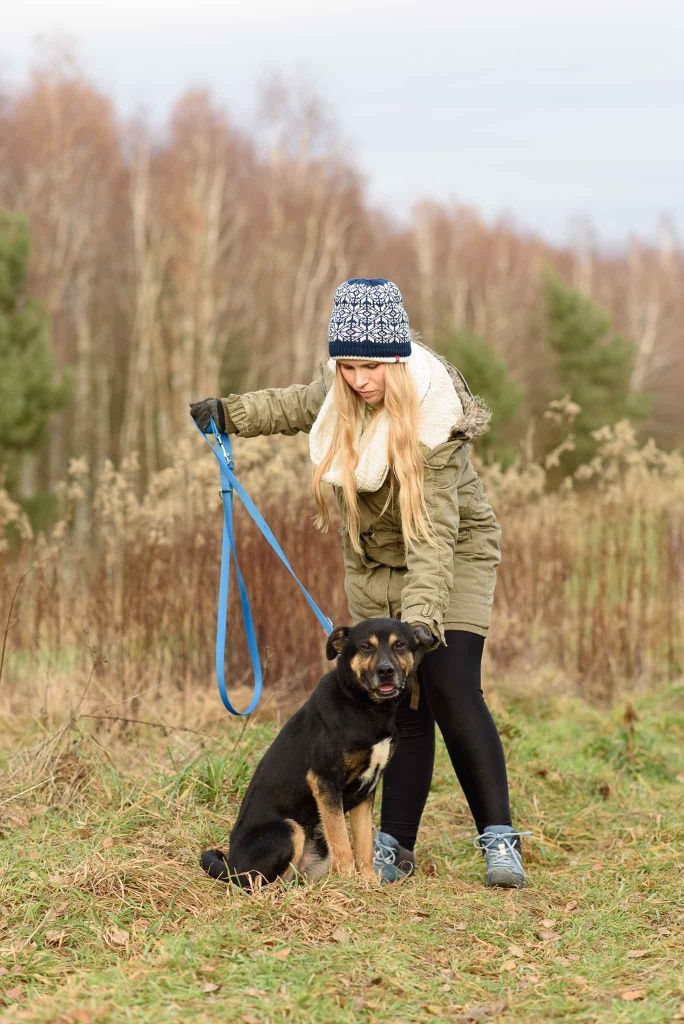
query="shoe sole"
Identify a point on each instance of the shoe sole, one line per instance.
(505, 881)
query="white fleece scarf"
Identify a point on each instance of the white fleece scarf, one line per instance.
(440, 411)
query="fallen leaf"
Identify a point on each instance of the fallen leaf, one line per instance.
(107, 843)
(340, 935)
(210, 986)
(207, 968)
(516, 950)
(572, 905)
(84, 833)
(481, 1012)
(15, 993)
(54, 938)
(117, 937)
(631, 994)
(256, 991)
(282, 954)
(636, 953)
(63, 881)
(249, 1018)
(508, 965)
(548, 922)
(548, 935)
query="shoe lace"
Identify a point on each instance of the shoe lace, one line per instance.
(499, 848)
(383, 854)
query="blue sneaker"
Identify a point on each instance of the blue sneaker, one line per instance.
(503, 863)
(390, 860)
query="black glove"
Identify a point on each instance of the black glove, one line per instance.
(423, 633)
(202, 411)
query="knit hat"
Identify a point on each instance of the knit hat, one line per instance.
(369, 322)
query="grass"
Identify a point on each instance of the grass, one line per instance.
(106, 916)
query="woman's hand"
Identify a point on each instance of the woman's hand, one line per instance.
(202, 411)
(423, 633)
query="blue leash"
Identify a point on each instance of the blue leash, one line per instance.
(230, 483)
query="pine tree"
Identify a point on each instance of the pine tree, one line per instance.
(487, 376)
(29, 392)
(592, 365)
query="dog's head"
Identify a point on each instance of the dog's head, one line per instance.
(378, 656)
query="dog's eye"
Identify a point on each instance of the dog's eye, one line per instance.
(399, 645)
(366, 647)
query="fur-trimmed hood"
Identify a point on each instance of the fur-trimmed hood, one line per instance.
(447, 412)
(476, 414)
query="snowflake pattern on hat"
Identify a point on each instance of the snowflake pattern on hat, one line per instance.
(369, 322)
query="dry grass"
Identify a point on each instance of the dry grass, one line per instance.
(106, 916)
(590, 590)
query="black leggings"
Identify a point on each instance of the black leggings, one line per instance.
(450, 695)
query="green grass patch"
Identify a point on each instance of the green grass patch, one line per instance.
(107, 917)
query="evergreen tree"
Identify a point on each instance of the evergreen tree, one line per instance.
(487, 376)
(29, 392)
(592, 365)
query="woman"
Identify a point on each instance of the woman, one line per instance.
(389, 426)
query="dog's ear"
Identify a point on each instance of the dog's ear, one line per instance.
(336, 642)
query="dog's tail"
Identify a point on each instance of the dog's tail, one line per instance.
(215, 864)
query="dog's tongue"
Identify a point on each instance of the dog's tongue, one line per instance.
(387, 688)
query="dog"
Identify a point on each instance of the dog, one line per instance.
(326, 760)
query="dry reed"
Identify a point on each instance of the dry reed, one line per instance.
(590, 583)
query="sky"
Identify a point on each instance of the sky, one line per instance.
(548, 114)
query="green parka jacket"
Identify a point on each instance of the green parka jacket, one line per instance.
(447, 587)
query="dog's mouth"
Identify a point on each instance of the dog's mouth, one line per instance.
(386, 690)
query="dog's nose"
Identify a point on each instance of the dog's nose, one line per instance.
(385, 670)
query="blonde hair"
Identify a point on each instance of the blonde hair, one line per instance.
(406, 464)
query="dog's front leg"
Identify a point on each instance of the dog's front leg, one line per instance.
(334, 826)
(362, 838)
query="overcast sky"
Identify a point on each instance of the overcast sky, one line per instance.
(546, 111)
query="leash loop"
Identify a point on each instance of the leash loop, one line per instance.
(229, 486)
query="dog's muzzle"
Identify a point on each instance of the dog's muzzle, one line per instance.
(386, 681)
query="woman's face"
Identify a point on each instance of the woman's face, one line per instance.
(367, 379)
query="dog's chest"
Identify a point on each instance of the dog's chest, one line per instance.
(366, 766)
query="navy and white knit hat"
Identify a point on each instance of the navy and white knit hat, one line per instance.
(369, 322)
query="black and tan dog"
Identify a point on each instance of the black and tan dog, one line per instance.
(327, 760)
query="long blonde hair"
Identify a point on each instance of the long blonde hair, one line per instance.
(406, 465)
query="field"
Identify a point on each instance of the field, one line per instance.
(106, 916)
